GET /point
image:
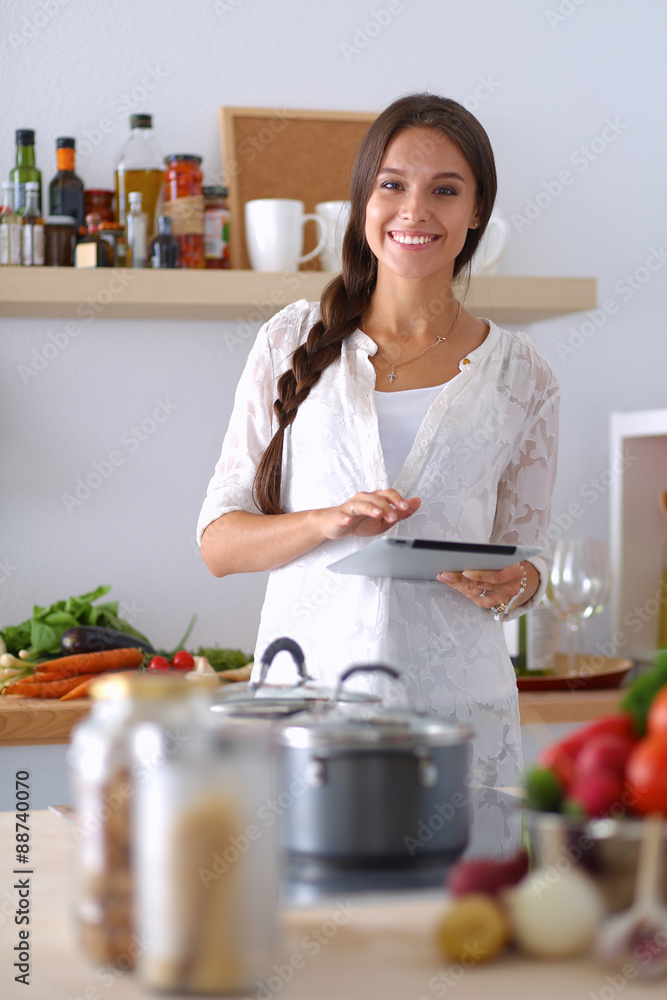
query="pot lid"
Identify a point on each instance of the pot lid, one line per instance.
(369, 726)
(257, 699)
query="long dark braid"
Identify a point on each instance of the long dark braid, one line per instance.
(346, 297)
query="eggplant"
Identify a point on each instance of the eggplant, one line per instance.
(94, 639)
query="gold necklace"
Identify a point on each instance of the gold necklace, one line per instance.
(392, 374)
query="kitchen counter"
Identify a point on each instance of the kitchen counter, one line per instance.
(371, 947)
(39, 722)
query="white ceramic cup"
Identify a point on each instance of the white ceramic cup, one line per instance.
(336, 215)
(491, 246)
(274, 234)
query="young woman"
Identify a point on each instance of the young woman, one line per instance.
(387, 407)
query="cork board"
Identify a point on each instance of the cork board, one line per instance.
(278, 153)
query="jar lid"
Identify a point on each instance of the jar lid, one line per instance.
(59, 220)
(183, 158)
(141, 121)
(107, 192)
(214, 191)
(140, 685)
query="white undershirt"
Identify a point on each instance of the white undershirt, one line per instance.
(400, 415)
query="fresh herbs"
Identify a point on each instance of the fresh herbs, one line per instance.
(41, 634)
(224, 659)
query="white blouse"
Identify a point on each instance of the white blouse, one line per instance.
(483, 461)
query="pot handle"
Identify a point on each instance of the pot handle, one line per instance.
(366, 668)
(278, 646)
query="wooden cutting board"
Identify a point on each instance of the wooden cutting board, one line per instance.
(37, 721)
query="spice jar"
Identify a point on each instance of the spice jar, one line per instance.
(206, 858)
(59, 240)
(101, 201)
(184, 204)
(216, 227)
(104, 778)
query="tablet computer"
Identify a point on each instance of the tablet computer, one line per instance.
(423, 559)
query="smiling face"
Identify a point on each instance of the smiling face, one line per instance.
(422, 204)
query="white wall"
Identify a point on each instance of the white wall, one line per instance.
(546, 77)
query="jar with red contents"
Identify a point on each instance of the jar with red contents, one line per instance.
(184, 204)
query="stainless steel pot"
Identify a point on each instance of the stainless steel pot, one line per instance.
(373, 786)
(271, 702)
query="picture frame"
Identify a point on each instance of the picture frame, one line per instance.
(286, 153)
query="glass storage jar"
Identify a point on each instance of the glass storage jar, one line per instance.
(59, 240)
(104, 779)
(216, 227)
(207, 898)
(184, 204)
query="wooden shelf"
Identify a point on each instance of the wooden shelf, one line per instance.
(118, 293)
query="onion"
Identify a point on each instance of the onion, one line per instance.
(555, 914)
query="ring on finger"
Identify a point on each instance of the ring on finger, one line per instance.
(352, 508)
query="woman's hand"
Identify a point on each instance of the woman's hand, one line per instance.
(366, 514)
(489, 588)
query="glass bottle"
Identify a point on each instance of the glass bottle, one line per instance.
(216, 227)
(25, 169)
(32, 230)
(10, 228)
(66, 194)
(164, 246)
(92, 250)
(139, 168)
(136, 232)
(103, 778)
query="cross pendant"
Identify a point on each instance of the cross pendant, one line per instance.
(392, 376)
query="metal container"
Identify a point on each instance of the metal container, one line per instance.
(607, 849)
(380, 787)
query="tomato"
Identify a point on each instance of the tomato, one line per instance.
(596, 793)
(158, 664)
(646, 774)
(656, 722)
(605, 752)
(183, 660)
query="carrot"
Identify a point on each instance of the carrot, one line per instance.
(80, 691)
(51, 689)
(92, 663)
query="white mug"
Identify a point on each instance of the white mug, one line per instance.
(491, 246)
(274, 233)
(336, 215)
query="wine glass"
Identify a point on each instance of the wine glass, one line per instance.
(578, 585)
